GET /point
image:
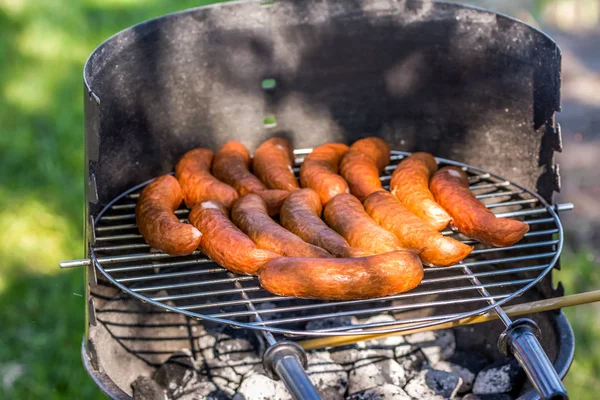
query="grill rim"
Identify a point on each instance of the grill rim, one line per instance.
(256, 325)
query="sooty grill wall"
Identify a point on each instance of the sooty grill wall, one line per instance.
(462, 83)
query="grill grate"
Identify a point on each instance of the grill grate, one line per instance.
(197, 287)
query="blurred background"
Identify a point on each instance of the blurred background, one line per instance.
(43, 46)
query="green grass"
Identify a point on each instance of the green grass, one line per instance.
(43, 45)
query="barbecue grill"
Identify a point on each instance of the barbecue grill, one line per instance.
(473, 87)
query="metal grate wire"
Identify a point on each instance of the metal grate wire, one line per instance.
(197, 287)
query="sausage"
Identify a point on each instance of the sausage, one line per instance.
(450, 187)
(412, 232)
(231, 165)
(223, 242)
(273, 162)
(410, 184)
(198, 184)
(342, 278)
(157, 222)
(249, 213)
(360, 166)
(301, 215)
(319, 171)
(347, 216)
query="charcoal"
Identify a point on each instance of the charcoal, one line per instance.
(495, 396)
(145, 388)
(328, 323)
(177, 371)
(367, 374)
(411, 362)
(206, 344)
(330, 379)
(235, 349)
(261, 387)
(271, 315)
(434, 385)
(386, 342)
(467, 376)
(227, 375)
(215, 395)
(383, 392)
(436, 345)
(471, 360)
(503, 376)
(346, 356)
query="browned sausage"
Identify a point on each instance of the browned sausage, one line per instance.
(231, 165)
(347, 216)
(360, 166)
(342, 278)
(301, 215)
(319, 171)
(249, 213)
(198, 184)
(157, 222)
(410, 184)
(412, 232)
(223, 242)
(450, 187)
(273, 162)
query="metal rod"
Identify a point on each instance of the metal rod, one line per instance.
(292, 373)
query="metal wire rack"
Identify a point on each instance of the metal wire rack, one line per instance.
(196, 286)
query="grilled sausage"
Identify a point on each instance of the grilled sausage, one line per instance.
(410, 184)
(301, 215)
(450, 187)
(342, 278)
(319, 171)
(347, 216)
(273, 162)
(249, 213)
(198, 184)
(157, 222)
(231, 165)
(223, 242)
(360, 166)
(412, 232)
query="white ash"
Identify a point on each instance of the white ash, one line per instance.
(330, 379)
(494, 396)
(434, 385)
(228, 375)
(145, 388)
(436, 345)
(328, 323)
(367, 374)
(412, 363)
(383, 392)
(261, 387)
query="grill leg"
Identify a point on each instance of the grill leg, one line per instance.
(287, 361)
(521, 340)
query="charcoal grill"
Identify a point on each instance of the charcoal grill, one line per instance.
(465, 84)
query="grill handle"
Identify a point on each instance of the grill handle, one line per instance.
(520, 339)
(287, 361)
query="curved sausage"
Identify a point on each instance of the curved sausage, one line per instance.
(231, 165)
(347, 216)
(197, 183)
(273, 162)
(342, 278)
(157, 222)
(450, 187)
(223, 242)
(319, 171)
(361, 165)
(301, 215)
(410, 184)
(249, 213)
(412, 232)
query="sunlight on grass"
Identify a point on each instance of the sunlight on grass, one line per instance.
(46, 41)
(12, 7)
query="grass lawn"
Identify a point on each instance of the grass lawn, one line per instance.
(43, 45)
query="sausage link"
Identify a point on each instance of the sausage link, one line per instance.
(301, 215)
(231, 165)
(347, 216)
(342, 278)
(412, 232)
(197, 183)
(319, 171)
(250, 214)
(410, 184)
(273, 162)
(157, 222)
(224, 243)
(450, 187)
(361, 165)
